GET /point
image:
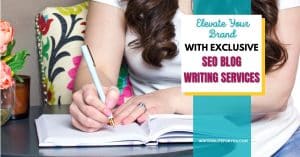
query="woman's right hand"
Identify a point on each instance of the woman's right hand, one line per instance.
(88, 112)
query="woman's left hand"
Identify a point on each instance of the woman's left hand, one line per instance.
(138, 108)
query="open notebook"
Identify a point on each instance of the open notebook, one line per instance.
(56, 130)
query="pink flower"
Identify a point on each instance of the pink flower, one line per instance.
(72, 72)
(6, 35)
(126, 94)
(6, 79)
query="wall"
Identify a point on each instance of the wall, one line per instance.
(21, 14)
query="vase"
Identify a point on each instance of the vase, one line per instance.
(7, 102)
(21, 108)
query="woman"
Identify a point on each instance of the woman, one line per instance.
(148, 28)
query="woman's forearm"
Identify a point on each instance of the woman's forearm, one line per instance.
(182, 104)
(279, 84)
(105, 35)
(83, 78)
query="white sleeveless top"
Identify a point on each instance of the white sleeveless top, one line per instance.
(268, 135)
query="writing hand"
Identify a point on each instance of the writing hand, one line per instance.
(88, 112)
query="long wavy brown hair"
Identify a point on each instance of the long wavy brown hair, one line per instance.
(151, 20)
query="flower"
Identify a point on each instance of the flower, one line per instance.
(72, 72)
(83, 24)
(11, 63)
(44, 24)
(126, 93)
(6, 35)
(6, 79)
(124, 85)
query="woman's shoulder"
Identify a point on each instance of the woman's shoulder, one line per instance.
(285, 4)
(116, 3)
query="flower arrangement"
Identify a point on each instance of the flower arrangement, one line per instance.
(11, 63)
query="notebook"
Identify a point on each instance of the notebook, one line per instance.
(56, 130)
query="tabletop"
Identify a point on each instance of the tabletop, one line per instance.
(19, 139)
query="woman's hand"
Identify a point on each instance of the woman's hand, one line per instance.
(88, 112)
(167, 101)
(132, 110)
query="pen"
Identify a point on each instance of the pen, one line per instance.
(92, 68)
